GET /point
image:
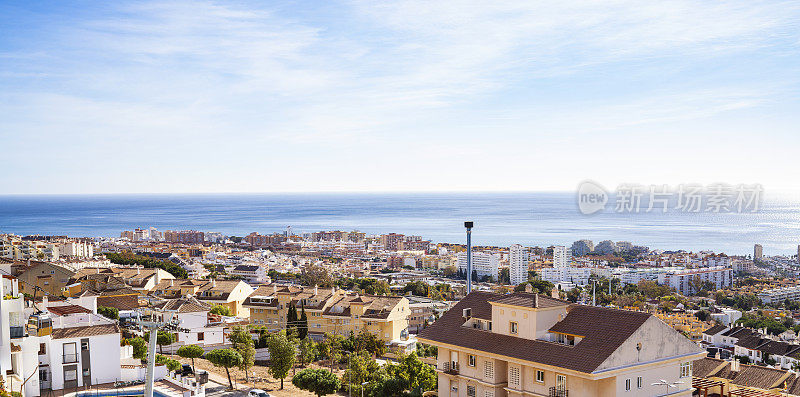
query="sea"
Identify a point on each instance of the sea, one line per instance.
(501, 219)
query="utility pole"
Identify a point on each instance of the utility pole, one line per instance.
(468, 225)
(594, 284)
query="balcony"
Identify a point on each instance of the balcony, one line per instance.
(558, 392)
(450, 368)
(70, 358)
(17, 331)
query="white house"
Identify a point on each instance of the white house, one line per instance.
(192, 317)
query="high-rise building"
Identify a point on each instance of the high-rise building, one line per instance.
(758, 251)
(560, 256)
(517, 264)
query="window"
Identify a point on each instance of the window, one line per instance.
(470, 391)
(561, 382)
(488, 369)
(540, 376)
(488, 393)
(627, 384)
(512, 327)
(470, 360)
(85, 345)
(70, 374)
(42, 349)
(70, 353)
(200, 336)
(639, 382)
(513, 376)
(686, 369)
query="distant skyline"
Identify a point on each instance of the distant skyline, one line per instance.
(185, 97)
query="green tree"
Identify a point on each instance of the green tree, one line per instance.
(360, 368)
(317, 381)
(331, 348)
(164, 339)
(221, 310)
(139, 347)
(291, 317)
(539, 286)
(192, 352)
(416, 376)
(243, 343)
(226, 358)
(369, 342)
(282, 355)
(108, 312)
(307, 350)
(302, 329)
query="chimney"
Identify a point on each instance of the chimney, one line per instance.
(274, 288)
(315, 290)
(528, 288)
(554, 293)
(138, 270)
(735, 365)
(44, 301)
(535, 300)
(172, 282)
(213, 283)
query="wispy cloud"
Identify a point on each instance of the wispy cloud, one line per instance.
(263, 85)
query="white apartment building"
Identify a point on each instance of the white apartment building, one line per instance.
(777, 295)
(517, 264)
(81, 249)
(680, 280)
(560, 258)
(485, 264)
(251, 274)
(567, 275)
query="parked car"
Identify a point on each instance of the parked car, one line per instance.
(258, 393)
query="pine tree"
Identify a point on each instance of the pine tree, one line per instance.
(303, 324)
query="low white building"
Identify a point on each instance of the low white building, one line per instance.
(251, 274)
(192, 316)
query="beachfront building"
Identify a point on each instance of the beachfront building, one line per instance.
(526, 344)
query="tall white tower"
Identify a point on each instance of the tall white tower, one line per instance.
(517, 265)
(560, 256)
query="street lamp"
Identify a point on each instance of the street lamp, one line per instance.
(468, 225)
(362, 388)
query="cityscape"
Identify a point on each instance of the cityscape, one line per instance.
(541, 318)
(399, 198)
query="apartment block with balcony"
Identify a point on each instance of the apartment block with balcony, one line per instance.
(525, 344)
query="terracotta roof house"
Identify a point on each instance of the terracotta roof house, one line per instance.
(526, 344)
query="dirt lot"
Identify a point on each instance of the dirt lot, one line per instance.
(268, 383)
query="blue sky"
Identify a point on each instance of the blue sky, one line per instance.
(237, 96)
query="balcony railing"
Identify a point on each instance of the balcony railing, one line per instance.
(558, 392)
(450, 368)
(17, 331)
(70, 358)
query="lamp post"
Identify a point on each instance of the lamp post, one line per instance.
(468, 225)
